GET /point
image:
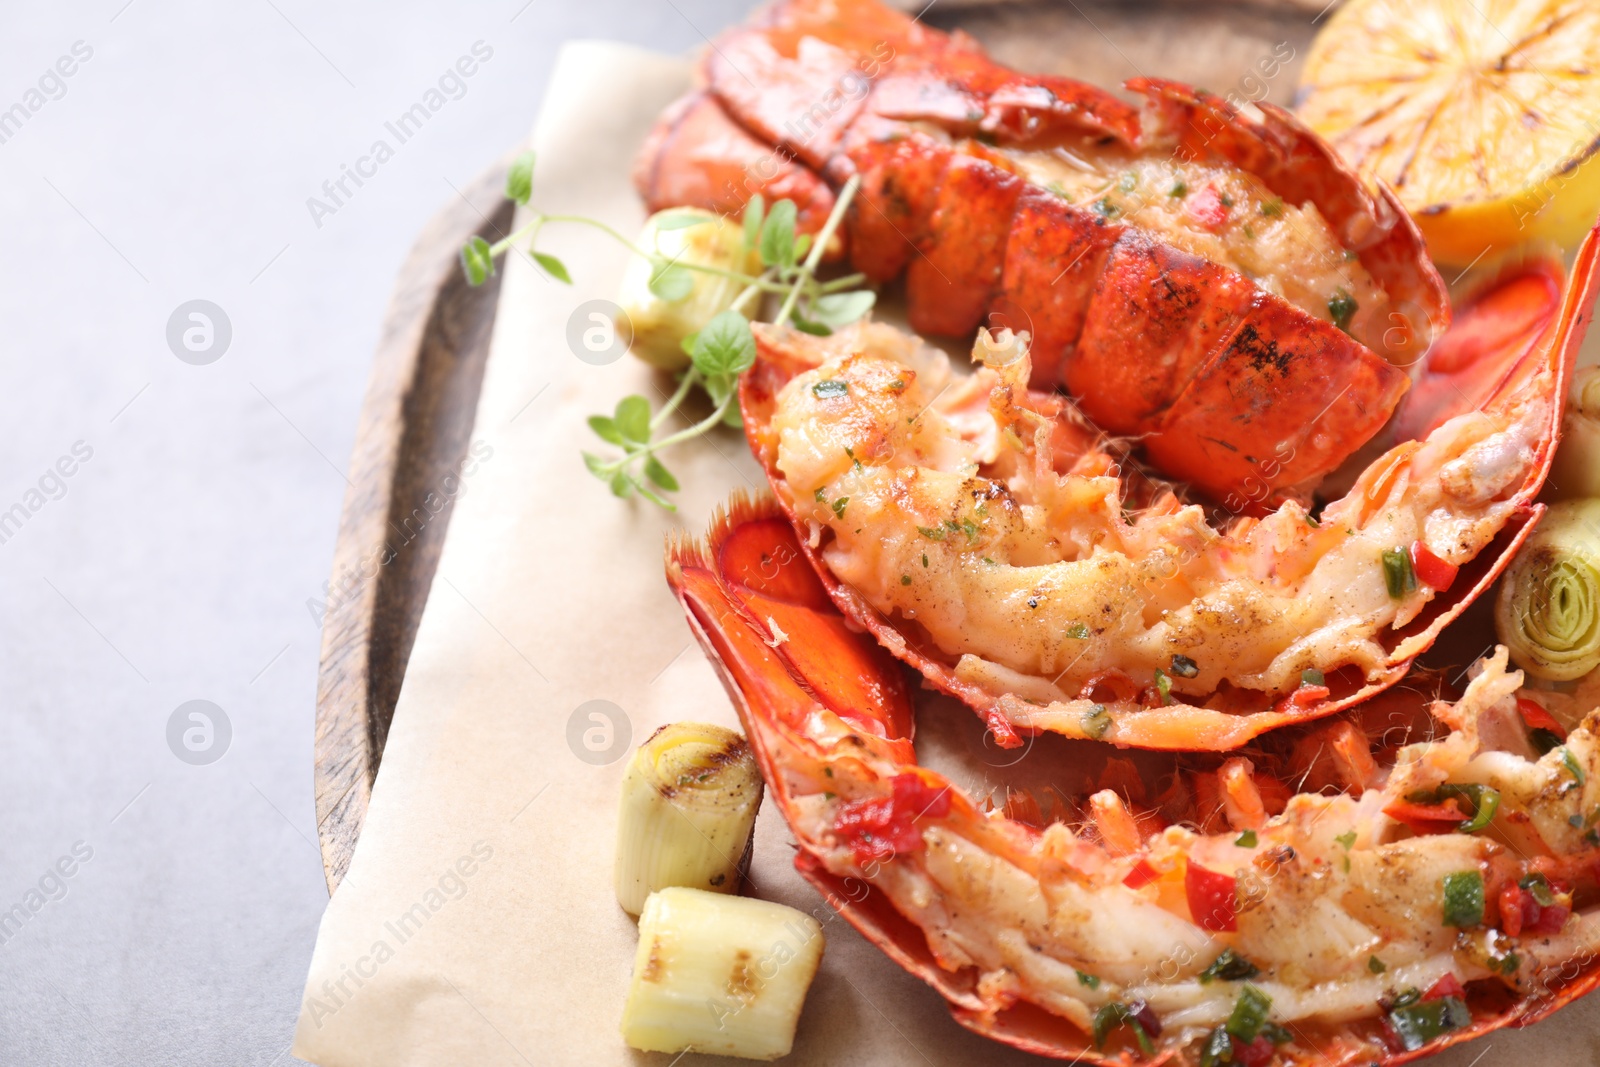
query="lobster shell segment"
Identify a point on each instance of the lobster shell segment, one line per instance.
(1229, 382)
(1249, 612)
(998, 911)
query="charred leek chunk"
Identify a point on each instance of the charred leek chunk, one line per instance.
(689, 801)
(1575, 474)
(667, 306)
(720, 975)
(1548, 610)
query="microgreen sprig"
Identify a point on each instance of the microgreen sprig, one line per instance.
(724, 347)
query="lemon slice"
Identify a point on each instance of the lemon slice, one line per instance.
(1484, 116)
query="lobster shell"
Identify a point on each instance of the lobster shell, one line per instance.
(1228, 384)
(746, 571)
(1537, 362)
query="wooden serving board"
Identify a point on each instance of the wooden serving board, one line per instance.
(416, 420)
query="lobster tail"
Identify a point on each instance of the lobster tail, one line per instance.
(959, 161)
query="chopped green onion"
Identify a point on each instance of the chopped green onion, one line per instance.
(1180, 189)
(1246, 839)
(1111, 1016)
(1419, 1023)
(829, 389)
(1218, 1049)
(1163, 686)
(1375, 965)
(1463, 899)
(1347, 839)
(1249, 1014)
(1078, 631)
(1484, 800)
(1397, 573)
(1342, 308)
(1538, 887)
(1096, 721)
(839, 506)
(1312, 676)
(1088, 980)
(1230, 967)
(1570, 762)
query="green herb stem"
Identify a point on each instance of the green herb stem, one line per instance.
(814, 257)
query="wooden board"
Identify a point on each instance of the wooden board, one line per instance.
(415, 425)
(416, 420)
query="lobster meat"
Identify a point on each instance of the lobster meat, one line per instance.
(991, 538)
(1223, 921)
(1209, 278)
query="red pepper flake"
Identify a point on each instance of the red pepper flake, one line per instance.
(1257, 1053)
(1141, 875)
(1441, 818)
(1005, 735)
(1446, 986)
(1433, 571)
(1212, 898)
(1534, 714)
(1303, 697)
(1207, 209)
(879, 827)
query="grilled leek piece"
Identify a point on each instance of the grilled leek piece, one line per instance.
(662, 315)
(720, 975)
(689, 802)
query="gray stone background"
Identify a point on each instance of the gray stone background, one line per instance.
(175, 562)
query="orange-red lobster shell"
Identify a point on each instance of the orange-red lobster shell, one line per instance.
(1225, 380)
(997, 912)
(1283, 589)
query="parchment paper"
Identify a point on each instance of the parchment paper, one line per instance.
(476, 925)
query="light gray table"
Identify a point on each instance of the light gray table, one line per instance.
(164, 521)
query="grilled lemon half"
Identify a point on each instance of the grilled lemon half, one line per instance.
(1483, 116)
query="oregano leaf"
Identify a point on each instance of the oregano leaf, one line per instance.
(477, 261)
(671, 282)
(777, 235)
(519, 179)
(553, 267)
(660, 475)
(725, 346)
(605, 428)
(633, 418)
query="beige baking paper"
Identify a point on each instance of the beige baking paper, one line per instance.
(477, 924)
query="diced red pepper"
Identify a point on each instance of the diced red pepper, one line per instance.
(879, 827)
(1550, 920)
(1521, 914)
(1446, 986)
(1206, 208)
(1141, 875)
(1511, 902)
(1212, 898)
(1441, 818)
(1257, 1053)
(1433, 572)
(1537, 718)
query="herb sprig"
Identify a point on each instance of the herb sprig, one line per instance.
(724, 347)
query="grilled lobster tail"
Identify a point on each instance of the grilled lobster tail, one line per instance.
(1209, 278)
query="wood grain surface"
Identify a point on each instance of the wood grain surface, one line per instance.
(415, 425)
